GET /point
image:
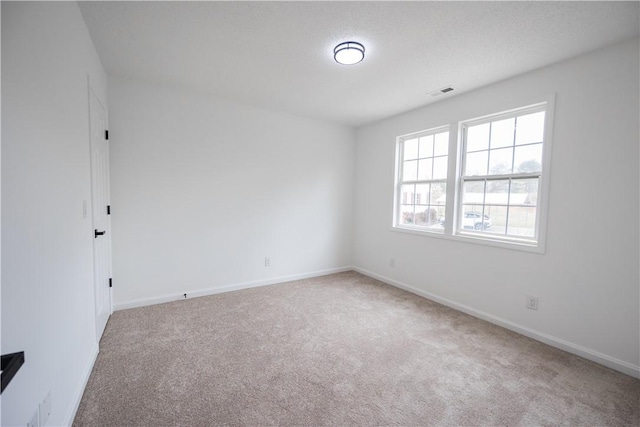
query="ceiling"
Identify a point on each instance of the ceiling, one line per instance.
(279, 55)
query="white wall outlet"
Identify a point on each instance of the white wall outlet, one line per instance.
(392, 262)
(45, 409)
(267, 262)
(532, 302)
(34, 421)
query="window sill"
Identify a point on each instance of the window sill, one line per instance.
(467, 237)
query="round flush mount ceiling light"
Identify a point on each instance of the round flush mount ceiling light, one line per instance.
(348, 53)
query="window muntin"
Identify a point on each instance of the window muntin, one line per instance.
(501, 171)
(422, 180)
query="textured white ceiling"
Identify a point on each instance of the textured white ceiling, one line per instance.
(279, 55)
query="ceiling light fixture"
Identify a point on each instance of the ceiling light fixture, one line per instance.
(348, 53)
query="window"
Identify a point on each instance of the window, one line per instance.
(502, 166)
(422, 183)
(495, 195)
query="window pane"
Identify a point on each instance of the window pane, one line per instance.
(500, 161)
(495, 220)
(422, 194)
(524, 192)
(426, 216)
(411, 149)
(426, 146)
(471, 218)
(502, 133)
(438, 213)
(478, 137)
(438, 194)
(424, 168)
(497, 192)
(408, 194)
(441, 144)
(473, 192)
(530, 128)
(528, 158)
(440, 168)
(476, 163)
(522, 221)
(406, 214)
(410, 170)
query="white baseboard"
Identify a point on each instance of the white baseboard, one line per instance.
(75, 403)
(227, 288)
(595, 356)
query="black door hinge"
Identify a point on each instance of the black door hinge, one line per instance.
(108, 209)
(106, 135)
(110, 282)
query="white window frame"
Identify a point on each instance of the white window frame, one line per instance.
(453, 210)
(399, 180)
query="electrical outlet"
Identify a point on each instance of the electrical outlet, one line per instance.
(267, 262)
(532, 302)
(34, 421)
(392, 262)
(45, 409)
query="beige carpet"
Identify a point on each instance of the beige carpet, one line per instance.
(342, 349)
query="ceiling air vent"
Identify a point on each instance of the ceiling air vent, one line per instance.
(441, 91)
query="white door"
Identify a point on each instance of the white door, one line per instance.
(100, 207)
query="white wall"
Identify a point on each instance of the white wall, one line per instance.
(204, 189)
(588, 279)
(47, 268)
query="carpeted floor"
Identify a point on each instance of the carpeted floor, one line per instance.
(342, 349)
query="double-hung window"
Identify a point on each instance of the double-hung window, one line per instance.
(422, 184)
(501, 171)
(495, 195)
